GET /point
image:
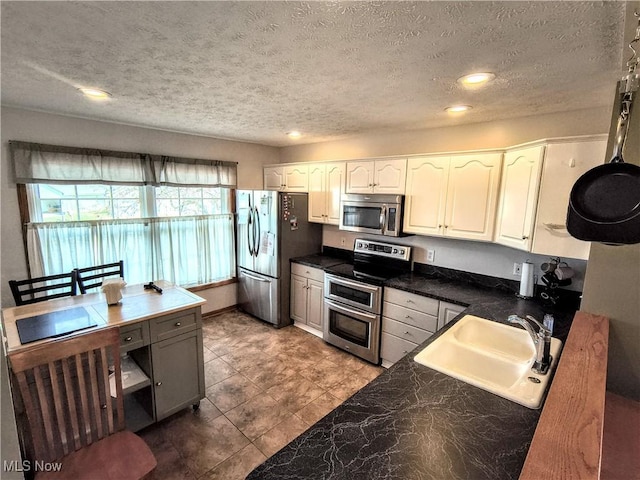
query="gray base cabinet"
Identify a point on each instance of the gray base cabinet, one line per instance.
(169, 351)
(177, 380)
(408, 320)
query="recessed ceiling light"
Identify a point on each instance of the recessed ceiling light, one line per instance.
(95, 93)
(476, 79)
(294, 134)
(458, 108)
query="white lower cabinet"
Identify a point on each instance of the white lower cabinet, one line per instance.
(307, 296)
(448, 311)
(408, 320)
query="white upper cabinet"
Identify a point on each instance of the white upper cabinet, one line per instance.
(326, 186)
(376, 176)
(518, 197)
(426, 195)
(472, 196)
(273, 178)
(287, 178)
(453, 196)
(564, 163)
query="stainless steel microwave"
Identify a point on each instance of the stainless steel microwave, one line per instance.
(377, 214)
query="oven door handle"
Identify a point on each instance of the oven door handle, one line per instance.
(355, 285)
(355, 313)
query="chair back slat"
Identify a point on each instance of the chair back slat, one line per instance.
(73, 412)
(85, 420)
(87, 275)
(72, 406)
(47, 420)
(35, 290)
(60, 416)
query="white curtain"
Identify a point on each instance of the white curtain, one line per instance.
(182, 250)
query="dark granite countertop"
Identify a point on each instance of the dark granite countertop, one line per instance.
(319, 261)
(413, 422)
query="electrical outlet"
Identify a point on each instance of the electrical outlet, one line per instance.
(343, 241)
(517, 268)
(431, 255)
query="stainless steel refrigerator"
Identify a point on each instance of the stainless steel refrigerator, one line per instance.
(271, 228)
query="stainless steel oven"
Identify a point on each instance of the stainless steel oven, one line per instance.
(353, 296)
(352, 315)
(377, 214)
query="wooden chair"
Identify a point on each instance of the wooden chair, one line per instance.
(43, 288)
(72, 417)
(91, 277)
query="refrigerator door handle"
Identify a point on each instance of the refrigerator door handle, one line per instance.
(250, 231)
(257, 237)
(259, 279)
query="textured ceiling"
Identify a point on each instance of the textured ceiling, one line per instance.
(255, 70)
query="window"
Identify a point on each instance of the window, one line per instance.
(180, 234)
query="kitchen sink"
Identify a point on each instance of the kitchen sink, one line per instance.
(493, 356)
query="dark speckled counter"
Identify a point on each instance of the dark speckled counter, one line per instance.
(415, 423)
(319, 261)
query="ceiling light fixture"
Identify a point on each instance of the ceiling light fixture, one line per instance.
(476, 80)
(458, 108)
(294, 134)
(95, 93)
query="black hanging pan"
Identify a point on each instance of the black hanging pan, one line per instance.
(604, 204)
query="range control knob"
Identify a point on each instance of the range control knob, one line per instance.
(402, 252)
(359, 245)
(395, 250)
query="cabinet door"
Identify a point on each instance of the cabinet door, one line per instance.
(317, 193)
(426, 195)
(564, 163)
(296, 178)
(273, 178)
(315, 310)
(298, 308)
(360, 177)
(178, 373)
(334, 191)
(389, 176)
(518, 197)
(472, 195)
(448, 311)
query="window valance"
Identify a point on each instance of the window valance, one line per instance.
(40, 163)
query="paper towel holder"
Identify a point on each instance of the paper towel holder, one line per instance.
(528, 281)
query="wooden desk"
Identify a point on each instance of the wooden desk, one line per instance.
(161, 335)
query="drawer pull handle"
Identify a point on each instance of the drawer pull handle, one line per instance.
(178, 324)
(128, 339)
(408, 316)
(404, 351)
(103, 406)
(406, 333)
(409, 301)
(158, 384)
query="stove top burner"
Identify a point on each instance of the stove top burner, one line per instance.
(374, 262)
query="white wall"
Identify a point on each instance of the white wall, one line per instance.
(60, 130)
(497, 134)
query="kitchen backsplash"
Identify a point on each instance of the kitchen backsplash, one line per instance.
(481, 258)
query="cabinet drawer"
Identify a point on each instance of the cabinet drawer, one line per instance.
(134, 336)
(404, 331)
(170, 325)
(393, 348)
(307, 272)
(411, 300)
(412, 317)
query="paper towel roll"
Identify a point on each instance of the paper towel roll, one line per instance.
(526, 280)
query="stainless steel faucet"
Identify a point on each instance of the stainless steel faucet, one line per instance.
(541, 341)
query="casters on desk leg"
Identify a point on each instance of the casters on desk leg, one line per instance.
(196, 406)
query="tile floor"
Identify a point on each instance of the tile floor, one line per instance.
(263, 388)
